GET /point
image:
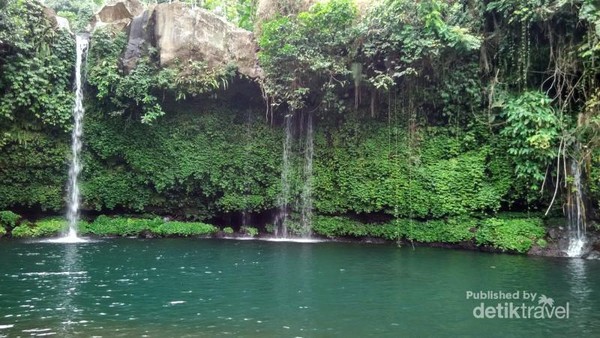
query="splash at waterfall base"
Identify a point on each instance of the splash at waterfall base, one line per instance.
(559, 239)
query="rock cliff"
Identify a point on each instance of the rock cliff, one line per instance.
(180, 32)
(183, 33)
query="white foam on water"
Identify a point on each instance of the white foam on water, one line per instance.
(293, 240)
(241, 238)
(36, 330)
(278, 239)
(7, 326)
(576, 247)
(69, 239)
(62, 273)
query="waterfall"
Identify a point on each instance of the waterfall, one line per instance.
(281, 219)
(294, 217)
(75, 167)
(576, 213)
(306, 205)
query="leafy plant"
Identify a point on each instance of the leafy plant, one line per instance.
(42, 228)
(121, 226)
(250, 231)
(8, 219)
(533, 130)
(510, 234)
(36, 63)
(300, 69)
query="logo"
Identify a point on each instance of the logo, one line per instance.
(516, 305)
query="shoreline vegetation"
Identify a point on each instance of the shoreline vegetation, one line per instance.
(510, 232)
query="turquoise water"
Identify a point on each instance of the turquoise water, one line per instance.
(185, 287)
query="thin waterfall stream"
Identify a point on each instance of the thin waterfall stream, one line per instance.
(294, 217)
(576, 214)
(82, 42)
(306, 198)
(282, 216)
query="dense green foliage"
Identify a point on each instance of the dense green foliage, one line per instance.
(361, 168)
(193, 164)
(114, 226)
(42, 228)
(297, 54)
(36, 63)
(116, 92)
(533, 130)
(8, 220)
(120, 226)
(510, 234)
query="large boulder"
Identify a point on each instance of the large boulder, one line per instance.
(117, 14)
(184, 33)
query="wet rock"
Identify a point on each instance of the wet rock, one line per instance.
(138, 35)
(552, 249)
(553, 233)
(147, 234)
(592, 255)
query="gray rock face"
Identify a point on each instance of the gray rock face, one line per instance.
(184, 33)
(118, 14)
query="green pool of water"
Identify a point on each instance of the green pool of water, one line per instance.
(181, 287)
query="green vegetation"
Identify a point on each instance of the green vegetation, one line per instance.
(510, 234)
(115, 226)
(8, 219)
(36, 63)
(513, 234)
(250, 231)
(121, 226)
(518, 234)
(42, 228)
(193, 164)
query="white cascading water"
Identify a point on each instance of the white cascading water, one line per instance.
(284, 196)
(576, 215)
(307, 205)
(75, 167)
